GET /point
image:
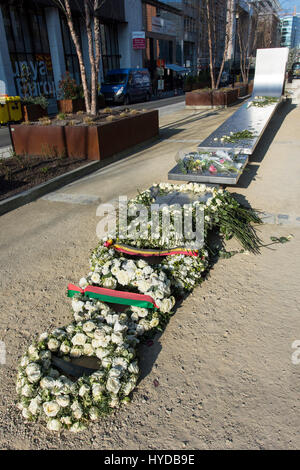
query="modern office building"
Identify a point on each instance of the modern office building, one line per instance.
(290, 31)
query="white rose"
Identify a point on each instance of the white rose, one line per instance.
(115, 372)
(120, 361)
(63, 400)
(123, 277)
(154, 322)
(26, 413)
(54, 425)
(109, 282)
(84, 389)
(113, 385)
(65, 349)
(114, 403)
(127, 389)
(66, 420)
(79, 339)
(43, 336)
(33, 372)
(88, 326)
(24, 361)
(97, 390)
(83, 283)
(53, 344)
(27, 391)
(101, 353)
(88, 349)
(77, 305)
(76, 352)
(77, 413)
(117, 338)
(93, 413)
(119, 327)
(95, 278)
(51, 408)
(142, 312)
(47, 383)
(106, 362)
(133, 367)
(70, 329)
(34, 406)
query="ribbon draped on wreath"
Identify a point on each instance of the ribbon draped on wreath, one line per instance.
(113, 296)
(129, 250)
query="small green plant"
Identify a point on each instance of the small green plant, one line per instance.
(45, 169)
(61, 116)
(40, 100)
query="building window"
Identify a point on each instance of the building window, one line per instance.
(28, 45)
(109, 47)
(71, 59)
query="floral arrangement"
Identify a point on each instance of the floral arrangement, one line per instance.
(236, 136)
(211, 162)
(262, 101)
(46, 392)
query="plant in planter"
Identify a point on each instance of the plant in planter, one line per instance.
(69, 90)
(33, 107)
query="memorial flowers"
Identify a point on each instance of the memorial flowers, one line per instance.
(46, 385)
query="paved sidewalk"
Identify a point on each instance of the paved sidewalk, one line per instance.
(223, 364)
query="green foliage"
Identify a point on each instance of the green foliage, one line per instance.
(41, 100)
(68, 88)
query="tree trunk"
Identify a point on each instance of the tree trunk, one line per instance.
(93, 109)
(79, 55)
(210, 44)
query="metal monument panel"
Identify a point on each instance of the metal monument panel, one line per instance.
(270, 70)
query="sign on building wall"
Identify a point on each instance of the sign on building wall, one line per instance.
(40, 76)
(138, 40)
(163, 26)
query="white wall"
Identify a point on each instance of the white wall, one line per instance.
(7, 84)
(133, 16)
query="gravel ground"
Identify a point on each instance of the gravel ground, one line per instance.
(223, 363)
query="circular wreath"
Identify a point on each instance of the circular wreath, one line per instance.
(113, 270)
(47, 394)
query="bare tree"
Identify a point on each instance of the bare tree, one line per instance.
(215, 15)
(246, 33)
(92, 26)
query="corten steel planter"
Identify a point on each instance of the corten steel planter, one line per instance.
(38, 140)
(199, 98)
(242, 89)
(71, 106)
(250, 88)
(225, 98)
(32, 112)
(95, 142)
(109, 138)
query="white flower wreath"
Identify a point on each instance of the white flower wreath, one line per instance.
(44, 393)
(112, 270)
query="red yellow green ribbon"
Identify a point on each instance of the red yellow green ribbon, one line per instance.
(113, 296)
(129, 250)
